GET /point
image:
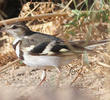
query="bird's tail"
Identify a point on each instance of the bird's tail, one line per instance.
(93, 44)
(88, 45)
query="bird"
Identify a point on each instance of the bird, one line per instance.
(42, 51)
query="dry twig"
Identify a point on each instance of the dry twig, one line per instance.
(79, 73)
(7, 66)
(13, 20)
(103, 64)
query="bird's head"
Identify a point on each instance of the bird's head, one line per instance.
(17, 30)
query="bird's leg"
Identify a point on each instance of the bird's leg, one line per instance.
(43, 77)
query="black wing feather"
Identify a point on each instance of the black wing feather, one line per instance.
(39, 49)
(56, 48)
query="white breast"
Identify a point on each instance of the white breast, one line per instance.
(17, 49)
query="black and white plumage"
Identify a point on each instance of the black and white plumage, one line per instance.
(40, 50)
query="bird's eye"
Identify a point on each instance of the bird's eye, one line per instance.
(14, 27)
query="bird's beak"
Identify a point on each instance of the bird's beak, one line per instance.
(4, 29)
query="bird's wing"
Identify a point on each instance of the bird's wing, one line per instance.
(41, 44)
(51, 46)
(56, 48)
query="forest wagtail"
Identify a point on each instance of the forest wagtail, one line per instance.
(43, 51)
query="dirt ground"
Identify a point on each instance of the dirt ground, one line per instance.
(93, 82)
